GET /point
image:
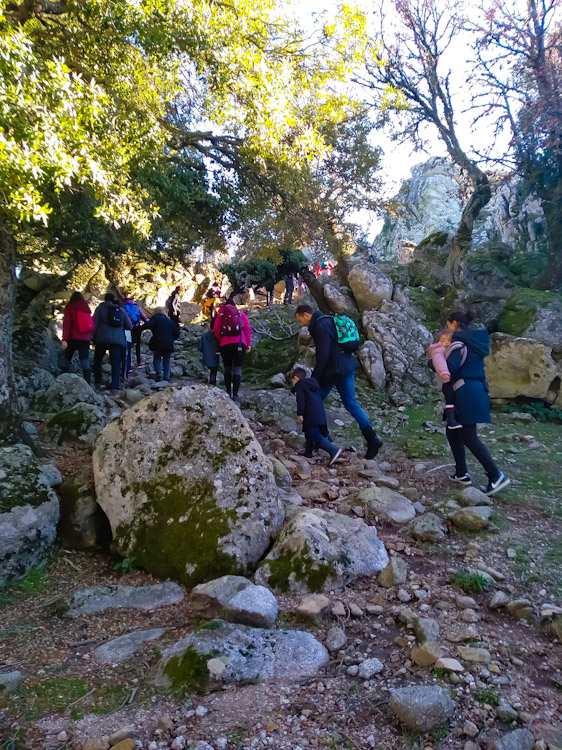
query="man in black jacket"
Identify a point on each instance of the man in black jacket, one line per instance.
(335, 367)
(110, 324)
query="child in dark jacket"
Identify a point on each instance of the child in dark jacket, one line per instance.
(312, 415)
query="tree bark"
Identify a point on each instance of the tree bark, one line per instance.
(551, 277)
(10, 423)
(462, 241)
(316, 289)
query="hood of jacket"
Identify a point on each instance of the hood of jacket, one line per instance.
(81, 305)
(310, 384)
(476, 339)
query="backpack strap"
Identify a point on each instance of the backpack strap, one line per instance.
(456, 346)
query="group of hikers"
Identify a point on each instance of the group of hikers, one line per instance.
(114, 329)
(457, 357)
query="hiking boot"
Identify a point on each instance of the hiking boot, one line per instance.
(493, 487)
(374, 443)
(452, 423)
(236, 399)
(335, 456)
(465, 480)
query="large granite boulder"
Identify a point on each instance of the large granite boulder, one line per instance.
(223, 654)
(29, 512)
(186, 486)
(80, 424)
(534, 315)
(340, 300)
(521, 367)
(29, 380)
(370, 286)
(318, 550)
(402, 341)
(371, 359)
(65, 392)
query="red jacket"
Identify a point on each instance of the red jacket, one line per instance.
(69, 323)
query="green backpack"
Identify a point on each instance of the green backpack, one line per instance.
(347, 333)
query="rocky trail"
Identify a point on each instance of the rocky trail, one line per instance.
(452, 641)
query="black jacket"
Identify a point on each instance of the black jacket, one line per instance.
(164, 332)
(331, 362)
(106, 334)
(309, 402)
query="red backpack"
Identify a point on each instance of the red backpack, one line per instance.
(84, 322)
(230, 321)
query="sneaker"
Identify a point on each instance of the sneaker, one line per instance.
(336, 456)
(236, 399)
(452, 423)
(466, 480)
(493, 487)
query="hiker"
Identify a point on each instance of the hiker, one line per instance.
(438, 353)
(324, 268)
(173, 305)
(335, 367)
(289, 289)
(472, 403)
(269, 293)
(77, 328)
(208, 306)
(209, 348)
(137, 318)
(165, 331)
(312, 415)
(233, 332)
(110, 324)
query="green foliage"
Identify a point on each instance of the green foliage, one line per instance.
(248, 274)
(126, 565)
(538, 409)
(469, 582)
(521, 309)
(485, 695)
(34, 582)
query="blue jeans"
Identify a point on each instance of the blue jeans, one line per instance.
(346, 388)
(316, 440)
(162, 359)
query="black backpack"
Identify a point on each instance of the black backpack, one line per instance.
(115, 316)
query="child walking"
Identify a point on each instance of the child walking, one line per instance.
(209, 348)
(312, 415)
(438, 353)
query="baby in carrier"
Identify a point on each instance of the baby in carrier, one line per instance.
(438, 353)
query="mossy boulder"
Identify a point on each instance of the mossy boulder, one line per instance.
(29, 512)
(534, 315)
(521, 367)
(318, 550)
(65, 392)
(186, 486)
(29, 380)
(81, 423)
(224, 654)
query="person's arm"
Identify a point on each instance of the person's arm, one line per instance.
(247, 330)
(323, 343)
(97, 315)
(301, 400)
(143, 317)
(66, 325)
(217, 325)
(127, 325)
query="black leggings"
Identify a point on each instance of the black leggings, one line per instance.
(467, 437)
(136, 334)
(232, 358)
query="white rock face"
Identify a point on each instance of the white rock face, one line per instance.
(29, 511)
(186, 486)
(340, 300)
(370, 286)
(318, 550)
(371, 359)
(521, 367)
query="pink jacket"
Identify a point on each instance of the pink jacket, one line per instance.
(246, 331)
(437, 353)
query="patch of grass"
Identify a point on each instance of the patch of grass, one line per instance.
(34, 582)
(126, 565)
(50, 695)
(107, 698)
(440, 732)
(485, 695)
(469, 582)
(441, 674)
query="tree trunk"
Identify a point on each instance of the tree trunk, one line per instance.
(316, 289)
(10, 423)
(462, 241)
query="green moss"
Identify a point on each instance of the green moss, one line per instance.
(429, 303)
(188, 672)
(23, 488)
(302, 568)
(50, 695)
(108, 698)
(192, 443)
(180, 531)
(521, 309)
(437, 239)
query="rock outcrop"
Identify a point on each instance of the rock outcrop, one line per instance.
(186, 486)
(29, 512)
(221, 654)
(370, 286)
(317, 550)
(65, 392)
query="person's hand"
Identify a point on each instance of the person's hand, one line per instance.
(64, 345)
(248, 349)
(446, 378)
(300, 419)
